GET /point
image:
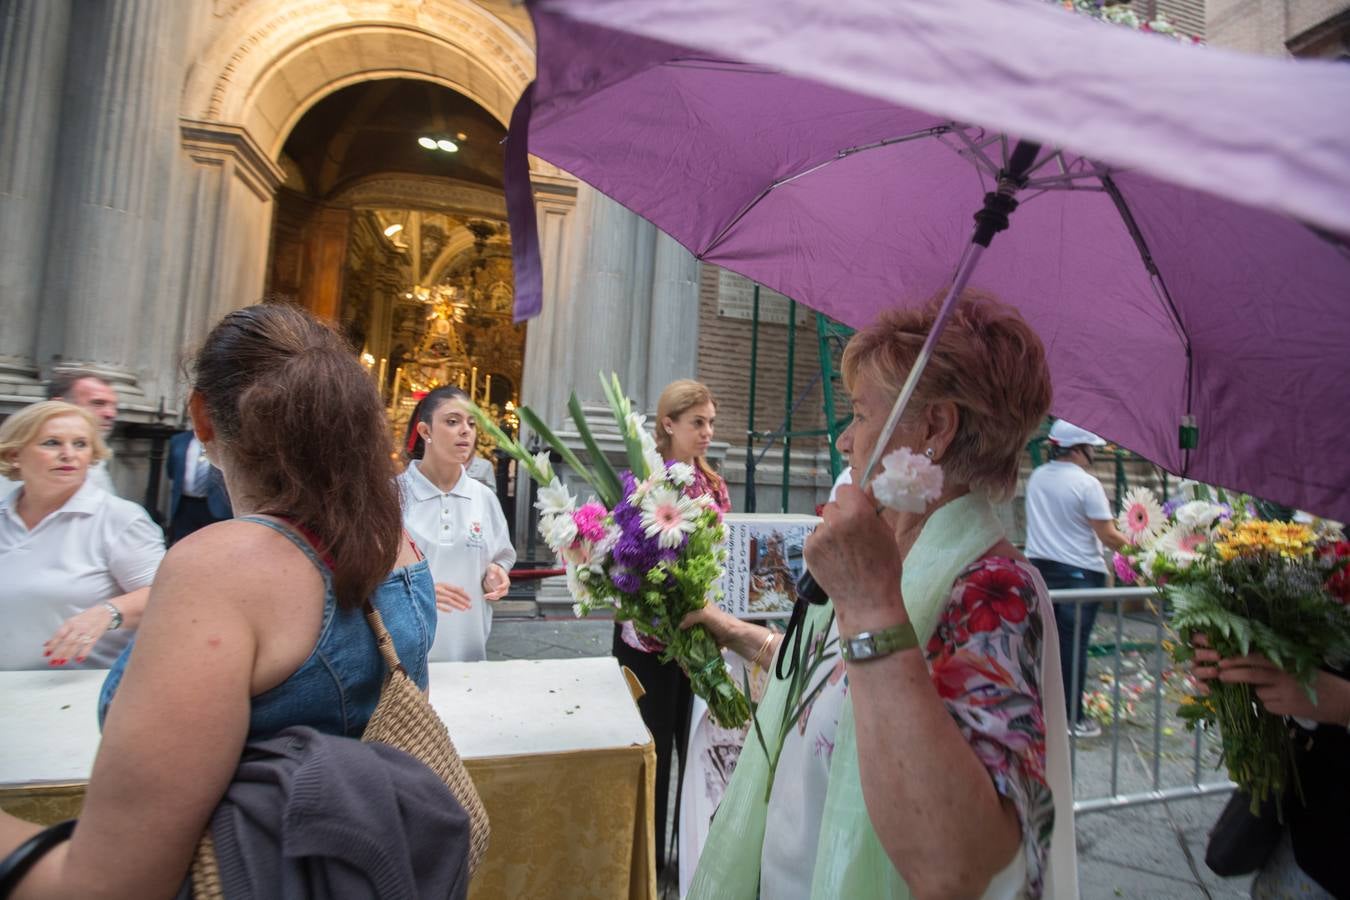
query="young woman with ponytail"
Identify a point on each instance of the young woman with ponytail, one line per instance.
(685, 416)
(457, 522)
(253, 624)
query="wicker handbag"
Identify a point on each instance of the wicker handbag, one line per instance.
(403, 719)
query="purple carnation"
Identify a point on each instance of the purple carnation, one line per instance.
(625, 580)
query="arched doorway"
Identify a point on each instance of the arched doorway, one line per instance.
(391, 223)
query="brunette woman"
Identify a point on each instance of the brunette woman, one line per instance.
(255, 624)
(685, 416)
(458, 524)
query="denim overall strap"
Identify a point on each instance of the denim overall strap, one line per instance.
(295, 539)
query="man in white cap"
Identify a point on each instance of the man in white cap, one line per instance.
(1068, 520)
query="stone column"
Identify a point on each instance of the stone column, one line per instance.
(672, 349)
(603, 299)
(33, 36)
(108, 206)
(229, 185)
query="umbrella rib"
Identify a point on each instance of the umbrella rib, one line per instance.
(1160, 288)
(935, 131)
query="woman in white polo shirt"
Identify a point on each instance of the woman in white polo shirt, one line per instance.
(457, 523)
(76, 561)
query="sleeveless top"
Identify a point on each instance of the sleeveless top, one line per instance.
(336, 688)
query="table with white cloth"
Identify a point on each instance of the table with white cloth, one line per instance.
(557, 749)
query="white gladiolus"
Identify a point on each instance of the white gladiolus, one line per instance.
(554, 500)
(559, 531)
(545, 467)
(655, 464)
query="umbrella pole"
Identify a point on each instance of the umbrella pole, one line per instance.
(964, 270)
(989, 221)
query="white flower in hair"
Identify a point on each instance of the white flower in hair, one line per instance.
(554, 500)
(908, 482)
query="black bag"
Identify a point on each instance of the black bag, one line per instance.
(1240, 843)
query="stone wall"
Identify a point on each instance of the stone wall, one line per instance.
(1318, 28)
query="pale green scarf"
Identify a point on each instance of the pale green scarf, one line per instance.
(850, 861)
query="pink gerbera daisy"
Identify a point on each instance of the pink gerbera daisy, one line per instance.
(1141, 518)
(668, 516)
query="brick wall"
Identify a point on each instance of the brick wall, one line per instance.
(724, 365)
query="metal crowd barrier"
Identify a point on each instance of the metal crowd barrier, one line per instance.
(1115, 798)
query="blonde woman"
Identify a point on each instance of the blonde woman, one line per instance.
(685, 418)
(76, 561)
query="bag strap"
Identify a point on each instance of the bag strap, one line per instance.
(26, 855)
(383, 640)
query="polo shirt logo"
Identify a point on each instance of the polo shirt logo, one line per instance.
(475, 534)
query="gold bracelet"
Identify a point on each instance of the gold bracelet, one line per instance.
(765, 646)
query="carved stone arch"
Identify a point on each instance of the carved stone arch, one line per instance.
(295, 52)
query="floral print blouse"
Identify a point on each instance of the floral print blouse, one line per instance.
(985, 659)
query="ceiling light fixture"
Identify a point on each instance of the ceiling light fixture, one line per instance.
(427, 142)
(448, 145)
(393, 230)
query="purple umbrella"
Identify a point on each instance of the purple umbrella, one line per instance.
(1194, 281)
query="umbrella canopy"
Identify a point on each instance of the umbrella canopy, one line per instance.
(1188, 266)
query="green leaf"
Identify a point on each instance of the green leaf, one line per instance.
(538, 427)
(620, 405)
(612, 491)
(506, 442)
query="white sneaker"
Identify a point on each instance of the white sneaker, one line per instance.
(1085, 728)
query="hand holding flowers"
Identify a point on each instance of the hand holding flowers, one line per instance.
(642, 546)
(1257, 608)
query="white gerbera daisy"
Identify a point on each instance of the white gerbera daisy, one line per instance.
(1141, 518)
(554, 500)
(1180, 546)
(668, 515)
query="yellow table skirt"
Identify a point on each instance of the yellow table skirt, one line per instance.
(564, 825)
(575, 824)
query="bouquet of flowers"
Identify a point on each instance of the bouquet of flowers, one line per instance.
(641, 545)
(1252, 586)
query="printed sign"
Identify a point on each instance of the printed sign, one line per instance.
(764, 561)
(736, 300)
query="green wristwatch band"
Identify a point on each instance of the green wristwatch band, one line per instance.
(874, 644)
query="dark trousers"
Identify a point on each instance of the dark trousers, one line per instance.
(192, 514)
(1060, 576)
(666, 709)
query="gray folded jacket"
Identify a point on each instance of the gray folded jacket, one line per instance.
(316, 815)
